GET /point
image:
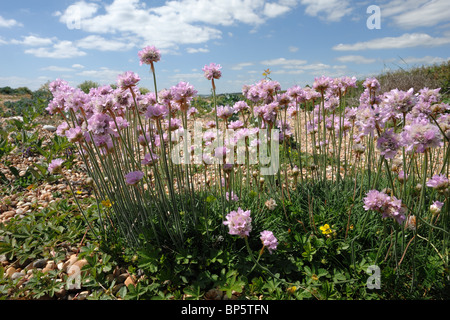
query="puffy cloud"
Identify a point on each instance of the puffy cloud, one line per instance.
(356, 59)
(102, 44)
(171, 24)
(407, 40)
(329, 10)
(60, 50)
(416, 13)
(8, 23)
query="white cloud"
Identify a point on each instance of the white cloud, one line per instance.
(77, 12)
(356, 59)
(57, 69)
(33, 41)
(293, 49)
(102, 44)
(273, 10)
(8, 23)
(417, 13)
(329, 10)
(407, 40)
(61, 50)
(283, 62)
(172, 23)
(77, 66)
(241, 65)
(425, 60)
(197, 50)
(103, 75)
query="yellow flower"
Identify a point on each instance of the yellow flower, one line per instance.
(107, 203)
(326, 229)
(314, 277)
(292, 289)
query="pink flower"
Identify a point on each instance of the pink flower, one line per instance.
(134, 177)
(269, 241)
(150, 159)
(239, 223)
(231, 197)
(438, 182)
(127, 80)
(388, 143)
(156, 111)
(212, 71)
(55, 166)
(224, 112)
(389, 207)
(149, 55)
(74, 134)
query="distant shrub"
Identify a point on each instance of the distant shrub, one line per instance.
(19, 91)
(436, 76)
(88, 85)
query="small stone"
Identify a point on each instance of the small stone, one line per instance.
(76, 267)
(17, 275)
(130, 280)
(214, 294)
(61, 293)
(10, 271)
(8, 214)
(122, 277)
(40, 263)
(82, 295)
(49, 128)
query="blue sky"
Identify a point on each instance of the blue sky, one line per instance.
(297, 40)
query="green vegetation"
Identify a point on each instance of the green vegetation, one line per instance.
(328, 244)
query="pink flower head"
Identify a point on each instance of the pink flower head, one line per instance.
(55, 166)
(240, 106)
(421, 135)
(224, 112)
(269, 241)
(388, 144)
(231, 197)
(239, 223)
(212, 71)
(183, 92)
(438, 182)
(322, 83)
(74, 134)
(389, 207)
(150, 159)
(156, 111)
(148, 55)
(134, 177)
(98, 124)
(401, 101)
(127, 80)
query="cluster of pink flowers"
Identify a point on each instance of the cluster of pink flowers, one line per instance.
(212, 71)
(148, 55)
(389, 207)
(239, 223)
